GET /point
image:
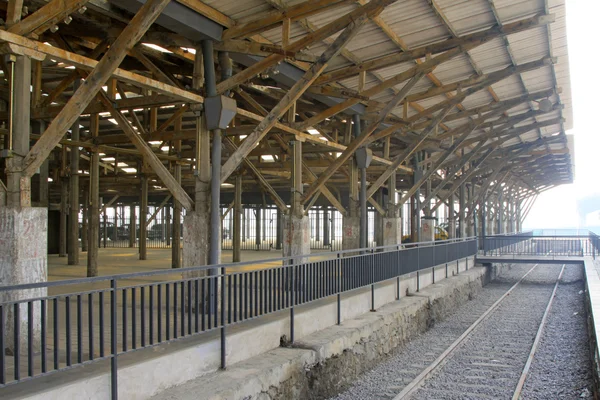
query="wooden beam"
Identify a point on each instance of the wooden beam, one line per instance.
(88, 90)
(477, 37)
(47, 16)
(266, 22)
(375, 7)
(290, 97)
(150, 157)
(359, 140)
(14, 12)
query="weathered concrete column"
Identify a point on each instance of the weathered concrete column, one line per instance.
(73, 235)
(427, 229)
(143, 216)
(378, 220)
(296, 225)
(392, 221)
(237, 220)
(23, 259)
(94, 204)
(471, 230)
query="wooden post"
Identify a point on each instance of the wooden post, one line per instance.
(237, 219)
(94, 210)
(143, 216)
(64, 203)
(74, 195)
(132, 226)
(84, 223)
(176, 246)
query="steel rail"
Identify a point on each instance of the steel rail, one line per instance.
(445, 356)
(536, 342)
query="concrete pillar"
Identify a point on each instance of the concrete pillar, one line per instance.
(461, 212)
(427, 229)
(296, 237)
(350, 232)
(378, 222)
(392, 231)
(317, 224)
(176, 228)
(351, 222)
(143, 216)
(94, 204)
(470, 223)
(23, 259)
(237, 220)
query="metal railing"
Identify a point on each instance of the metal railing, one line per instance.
(55, 326)
(534, 245)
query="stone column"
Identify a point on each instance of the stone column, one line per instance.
(427, 229)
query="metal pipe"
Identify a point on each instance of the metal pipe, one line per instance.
(11, 60)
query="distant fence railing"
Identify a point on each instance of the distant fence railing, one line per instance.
(529, 244)
(50, 327)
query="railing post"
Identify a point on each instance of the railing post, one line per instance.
(113, 340)
(293, 302)
(398, 273)
(223, 322)
(339, 289)
(418, 265)
(372, 281)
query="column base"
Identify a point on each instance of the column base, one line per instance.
(23, 259)
(427, 229)
(296, 237)
(196, 239)
(350, 233)
(392, 229)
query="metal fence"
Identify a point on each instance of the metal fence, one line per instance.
(529, 244)
(52, 327)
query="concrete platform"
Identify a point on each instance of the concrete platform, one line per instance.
(143, 374)
(529, 259)
(592, 274)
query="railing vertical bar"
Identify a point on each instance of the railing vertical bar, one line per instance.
(196, 304)
(44, 321)
(68, 328)
(133, 320)
(203, 282)
(189, 307)
(101, 322)
(168, 311)
(113, 340)
(229, 295)
(124, 317)
(29, 338)
(174, 310)
(182, 306)
(16, 341)
(151, 314)
(3, 347)
(91, 326)
(79, 333)
(223, 322)
(143, 316)
(56, 331)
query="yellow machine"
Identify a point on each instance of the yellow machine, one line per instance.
(440, 234)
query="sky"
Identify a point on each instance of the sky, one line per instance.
(557, 207)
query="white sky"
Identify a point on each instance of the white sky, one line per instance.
(557, 208)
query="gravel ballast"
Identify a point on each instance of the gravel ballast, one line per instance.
(489, 365)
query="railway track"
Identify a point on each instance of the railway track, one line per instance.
(492, 358)
(484, 350)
